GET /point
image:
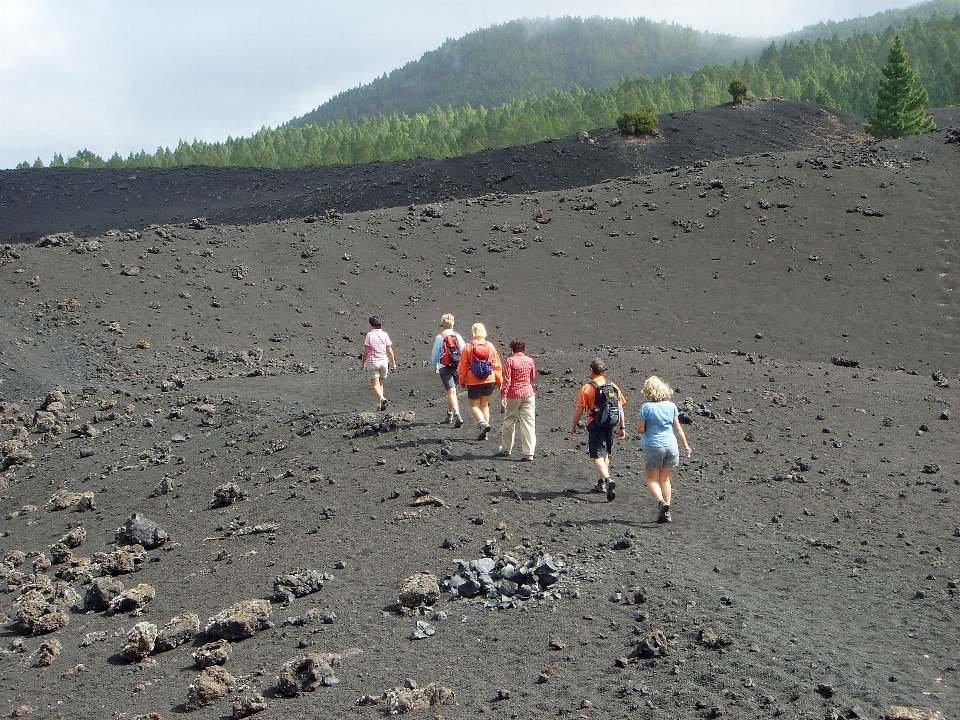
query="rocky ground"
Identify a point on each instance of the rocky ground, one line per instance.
(204, 513)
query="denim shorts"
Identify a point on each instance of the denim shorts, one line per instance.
(448, 376)
(655, 458)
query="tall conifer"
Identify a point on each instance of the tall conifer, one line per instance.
(901, 108)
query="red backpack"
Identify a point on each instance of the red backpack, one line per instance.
(451, 351)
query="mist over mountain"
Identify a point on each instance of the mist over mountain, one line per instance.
(498, 64)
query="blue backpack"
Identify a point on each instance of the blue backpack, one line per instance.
(480, 364)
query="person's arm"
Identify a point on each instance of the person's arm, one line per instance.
(678, 429)
(622, 430)
(363, 360)
(393, 360)
(497, 366)
(641, 426)
(507, 381)
(437, 352)
(464, 363)
(576, 420)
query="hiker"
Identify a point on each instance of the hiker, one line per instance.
(377, 350)
(604, 403)
(518, 397)
(659, 427)
(447, 348)
(480, 372)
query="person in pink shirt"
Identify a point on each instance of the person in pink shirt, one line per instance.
(518, 397)
(378, 355)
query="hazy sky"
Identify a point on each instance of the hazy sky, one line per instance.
(130, 75)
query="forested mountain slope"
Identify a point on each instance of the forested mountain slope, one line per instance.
(495, 65)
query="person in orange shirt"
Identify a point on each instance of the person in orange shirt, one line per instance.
(603, 418)
(480, 372)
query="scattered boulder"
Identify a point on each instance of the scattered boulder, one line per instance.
(132, 600)
(47, 422)
(121, 561)
(247, 704)
(141, 641)
(48, 651)
(211, 686)
(308, 673)
(297, 584)
(138, 530)
(709, 638)
(166, 485)
(101, 592)
(653, 644)
(181, 629)
(37, 615)
(65, 500)
(227, 494)
(215, 653)
(240, 621)
(407, 699)
(419, 589)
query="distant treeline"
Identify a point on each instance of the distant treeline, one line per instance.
(842, 73)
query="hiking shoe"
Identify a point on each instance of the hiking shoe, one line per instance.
(457, 422)
(527, 458)
(449, 420)
(665, 516)
(600, 487)
(484, 431)
(611, 490)
(383, 404)
(502, 453)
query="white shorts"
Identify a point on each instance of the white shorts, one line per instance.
(380, 371)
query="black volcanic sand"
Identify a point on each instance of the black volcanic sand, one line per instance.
(34, 203)
(812, 567)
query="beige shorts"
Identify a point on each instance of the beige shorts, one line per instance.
(380, 371)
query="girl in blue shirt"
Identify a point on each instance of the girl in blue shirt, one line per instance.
(659, 426)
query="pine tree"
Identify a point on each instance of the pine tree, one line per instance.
(901, 108)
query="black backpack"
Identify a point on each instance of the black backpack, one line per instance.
(480, 364)
(451, 351)
(606, 406)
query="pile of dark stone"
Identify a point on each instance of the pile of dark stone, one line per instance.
(503, 581)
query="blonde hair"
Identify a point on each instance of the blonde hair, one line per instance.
(479, 330)
(446, 320)
(656, 390)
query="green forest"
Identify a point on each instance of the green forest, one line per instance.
(840, 72)
(498, 64)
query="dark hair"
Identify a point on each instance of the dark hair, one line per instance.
(598, 366)
(375, 322)
(517, 345)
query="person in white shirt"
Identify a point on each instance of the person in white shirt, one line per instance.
(378, 355)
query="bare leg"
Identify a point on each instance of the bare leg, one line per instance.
(653, 484)
(664, 482)
(485, 409)
(377, 385)
(452, 404)
(476, 410)
(602, 464)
